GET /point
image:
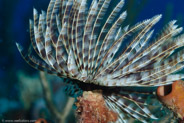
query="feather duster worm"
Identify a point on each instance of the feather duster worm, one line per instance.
(81, 41)
(173, 97)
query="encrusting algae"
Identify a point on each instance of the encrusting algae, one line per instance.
(84, 41)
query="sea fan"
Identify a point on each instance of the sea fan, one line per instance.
(85, 42)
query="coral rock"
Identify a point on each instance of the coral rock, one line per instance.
(173, 97)
(91, 108)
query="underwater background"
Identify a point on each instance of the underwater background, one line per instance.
(21, 94)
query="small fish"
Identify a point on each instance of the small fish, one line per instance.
(85, 42)
(172, 96)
